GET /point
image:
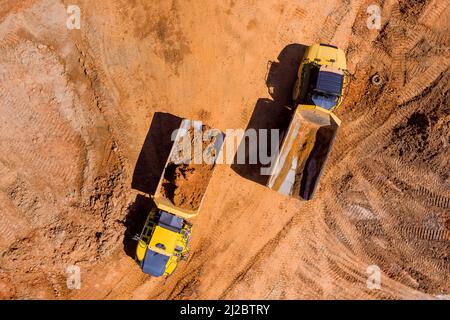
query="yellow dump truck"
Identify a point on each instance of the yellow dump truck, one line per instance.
(164, 240)
(318, 91)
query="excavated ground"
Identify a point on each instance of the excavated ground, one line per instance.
(84, 120)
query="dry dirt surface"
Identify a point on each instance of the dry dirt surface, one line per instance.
(82, 113)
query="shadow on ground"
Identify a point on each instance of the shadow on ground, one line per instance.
(146, 175)
(134, 222)
(154, 152)
(272, 113)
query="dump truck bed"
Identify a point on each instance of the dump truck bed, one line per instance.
(184, 181)
(297, 168)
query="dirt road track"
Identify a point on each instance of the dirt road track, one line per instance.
(76, 106)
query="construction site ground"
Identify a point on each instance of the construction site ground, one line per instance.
(85, 122)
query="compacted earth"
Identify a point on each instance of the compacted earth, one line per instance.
(85, 115)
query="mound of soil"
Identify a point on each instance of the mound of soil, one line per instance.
(423, 136)
(412, 137)
(185, 184)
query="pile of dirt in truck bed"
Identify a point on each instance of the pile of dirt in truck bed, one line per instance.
(185, 184)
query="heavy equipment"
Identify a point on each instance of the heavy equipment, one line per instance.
(318, 91)
(165, 238)
(163, 242)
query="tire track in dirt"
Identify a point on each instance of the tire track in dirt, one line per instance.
(289, 12)
(126, 285)
(393, 234)
(406, 182)
(19, 111)
(12, 224)
(260, 258)
(265, 250)
(424, 233)
(399, 229)
(433, 199)
(97, 56)
(427, 75)
(433, 11)
(333, 21)
(403, 45)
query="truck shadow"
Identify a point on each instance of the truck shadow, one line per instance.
(154, 152)
(272, 113)
(149, 167)
(134, 222)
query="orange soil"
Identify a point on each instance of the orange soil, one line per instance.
(75, 111)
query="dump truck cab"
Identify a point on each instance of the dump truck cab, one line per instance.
(321, 77)
(163, 242)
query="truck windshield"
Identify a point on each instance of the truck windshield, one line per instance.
(325, 88)
(324, 100)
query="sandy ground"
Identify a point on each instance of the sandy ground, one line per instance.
(85, 116)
